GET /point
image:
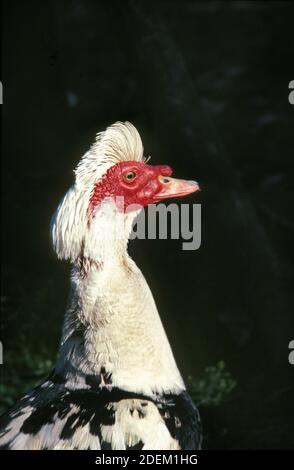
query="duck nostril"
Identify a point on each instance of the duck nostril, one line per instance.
(165, 180)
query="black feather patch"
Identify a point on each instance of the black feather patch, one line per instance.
(182, 419)
(138, 446)
(95, 405)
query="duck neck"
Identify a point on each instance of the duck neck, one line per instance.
(107, 234)
(112, 325)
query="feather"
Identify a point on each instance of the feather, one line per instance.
(54, 417)
(116, 384)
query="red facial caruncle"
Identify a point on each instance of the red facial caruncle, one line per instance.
(139, 184)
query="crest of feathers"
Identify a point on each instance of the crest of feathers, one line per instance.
(119, 142)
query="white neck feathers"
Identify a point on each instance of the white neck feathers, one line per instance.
(112, 321)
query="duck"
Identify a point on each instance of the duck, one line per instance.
(116, 384)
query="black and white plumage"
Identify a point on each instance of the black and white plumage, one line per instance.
(116, 384)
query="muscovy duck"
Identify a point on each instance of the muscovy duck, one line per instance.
(116, 384)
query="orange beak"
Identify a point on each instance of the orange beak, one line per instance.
(172, 187)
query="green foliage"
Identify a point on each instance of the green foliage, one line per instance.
(21, 371)
(215, 384)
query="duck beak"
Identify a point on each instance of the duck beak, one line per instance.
(172, 187)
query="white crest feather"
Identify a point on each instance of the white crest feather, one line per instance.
(119, 142)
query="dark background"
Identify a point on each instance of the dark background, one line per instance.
(206, 84)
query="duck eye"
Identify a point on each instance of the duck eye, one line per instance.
(130, 175)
